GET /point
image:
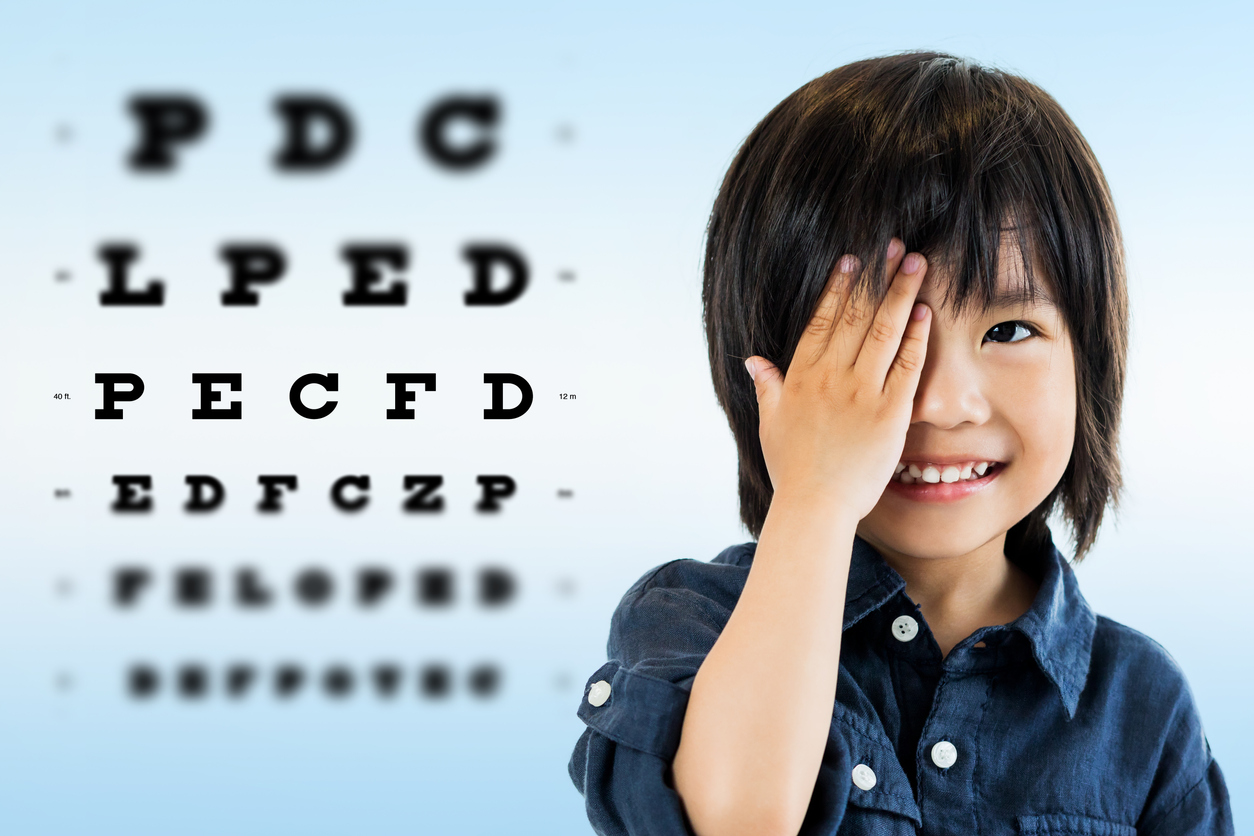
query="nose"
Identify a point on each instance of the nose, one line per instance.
(951, 391)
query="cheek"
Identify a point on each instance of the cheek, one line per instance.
(1039, 401)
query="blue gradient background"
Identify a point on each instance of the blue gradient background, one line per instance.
(658, 98)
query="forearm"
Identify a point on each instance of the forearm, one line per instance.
(760, 710)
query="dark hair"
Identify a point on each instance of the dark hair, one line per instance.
(948, 156)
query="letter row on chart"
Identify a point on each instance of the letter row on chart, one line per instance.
(499, 274)
(285, 680)
(196, 588)
(348, 493)
(234, 411)
(318, 131)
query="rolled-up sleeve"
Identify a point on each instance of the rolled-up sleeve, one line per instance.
(1204, 810)
(1184, 804)
(634, 704)
(659, 635)
(1188, 795)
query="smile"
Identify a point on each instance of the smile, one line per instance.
(926, 489)
(910, 472)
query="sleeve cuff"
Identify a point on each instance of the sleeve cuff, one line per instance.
(641, 712)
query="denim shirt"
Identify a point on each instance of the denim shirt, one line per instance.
(1063, 722)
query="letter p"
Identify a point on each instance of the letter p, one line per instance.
(112, 395)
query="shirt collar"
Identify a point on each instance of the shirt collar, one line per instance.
(1059, 625)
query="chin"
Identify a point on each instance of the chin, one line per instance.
(927, 543)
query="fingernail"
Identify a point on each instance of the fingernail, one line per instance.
(919, 311)
(894, 248)
(848, 264)
(751, 366)
(912, 263)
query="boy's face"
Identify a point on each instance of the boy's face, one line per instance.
(1007, 396)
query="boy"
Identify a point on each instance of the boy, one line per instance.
(920, 264)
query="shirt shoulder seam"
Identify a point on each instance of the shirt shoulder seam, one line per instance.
(1163, 816)
(648, 580)
(700, 603)
(1149, 642)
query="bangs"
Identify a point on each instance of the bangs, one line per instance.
(946, 158)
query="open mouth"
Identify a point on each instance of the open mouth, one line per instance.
(930, 473)
(943, 483)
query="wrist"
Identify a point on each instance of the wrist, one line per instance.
(818, 505)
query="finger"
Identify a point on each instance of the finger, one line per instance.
(855, 319)
(883, 338)
(767, 382)
(816, 337)
(902, 380)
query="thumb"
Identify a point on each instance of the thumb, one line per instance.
(767, 381)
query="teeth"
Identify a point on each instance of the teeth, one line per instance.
(910, 473)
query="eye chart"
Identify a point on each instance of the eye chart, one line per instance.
(333, 432)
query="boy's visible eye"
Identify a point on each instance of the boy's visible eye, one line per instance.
(1006, 332)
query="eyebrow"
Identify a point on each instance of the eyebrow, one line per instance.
(1007, 297)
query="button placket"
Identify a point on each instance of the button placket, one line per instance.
(948, 751)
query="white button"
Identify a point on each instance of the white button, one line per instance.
(905, 628)
(944, 754)
(863, 777)
(599, 693)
